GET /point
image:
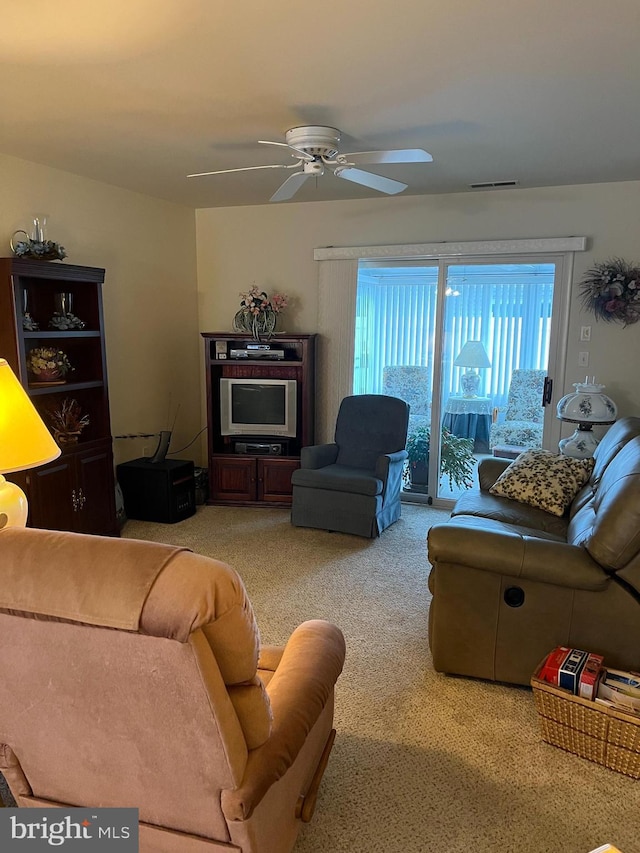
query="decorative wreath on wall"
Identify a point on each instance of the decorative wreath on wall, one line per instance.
(611, 290)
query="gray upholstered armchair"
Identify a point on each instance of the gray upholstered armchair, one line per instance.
(353, 485)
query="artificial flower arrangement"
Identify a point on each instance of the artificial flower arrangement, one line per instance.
(45, 250)
(611, 289)
(67, 421)
(257, 301)
(48, 363)
(258, 312)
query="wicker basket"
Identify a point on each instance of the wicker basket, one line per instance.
(605, 735)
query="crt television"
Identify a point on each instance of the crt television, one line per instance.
(258, 407)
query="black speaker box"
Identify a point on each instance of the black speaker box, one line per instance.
(158, 491)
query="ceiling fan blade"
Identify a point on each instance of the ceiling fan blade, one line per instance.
(244, 169)
(298, 151)
(290, 186)
(399, 155)
(376, 182)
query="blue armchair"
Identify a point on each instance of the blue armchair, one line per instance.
(353, 485)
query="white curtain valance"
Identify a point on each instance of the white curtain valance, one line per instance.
(547, 245)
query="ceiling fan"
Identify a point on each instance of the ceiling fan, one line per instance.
(315, 147)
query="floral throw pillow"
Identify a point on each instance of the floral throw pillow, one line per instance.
(549, 481)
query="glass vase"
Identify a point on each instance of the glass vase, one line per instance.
(39, 229)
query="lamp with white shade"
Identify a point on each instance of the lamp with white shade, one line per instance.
(473, 355)
(587, 407)
(25, 442)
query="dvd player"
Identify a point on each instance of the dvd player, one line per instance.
(257, 353)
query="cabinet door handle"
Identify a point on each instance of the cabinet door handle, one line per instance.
(81, 498)
(74, 500)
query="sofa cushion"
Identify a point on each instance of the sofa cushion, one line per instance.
(614, 440)
(494, 508)
(539, 478)
(609, 526)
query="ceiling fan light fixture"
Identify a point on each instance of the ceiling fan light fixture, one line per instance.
(313, 167)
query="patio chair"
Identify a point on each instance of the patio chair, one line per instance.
(524, 414)
(411, 383)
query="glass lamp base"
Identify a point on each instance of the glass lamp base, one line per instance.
(470, 382)
(580, 445)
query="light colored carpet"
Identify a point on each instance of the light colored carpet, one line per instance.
(423, 763)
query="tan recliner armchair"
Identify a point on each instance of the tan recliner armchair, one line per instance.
(131, 675)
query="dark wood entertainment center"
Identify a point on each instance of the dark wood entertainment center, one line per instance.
(247, 479)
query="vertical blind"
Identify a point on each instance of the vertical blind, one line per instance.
(506, 306)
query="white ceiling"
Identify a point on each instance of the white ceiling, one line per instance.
(139, 93)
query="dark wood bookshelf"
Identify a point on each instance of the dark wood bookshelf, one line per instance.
(77, 490)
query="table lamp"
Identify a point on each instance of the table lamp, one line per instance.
(586, 406)
(25, 442)
(472, 355)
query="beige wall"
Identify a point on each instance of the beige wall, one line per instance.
(154, 310)
(272, 245)
(147, 247)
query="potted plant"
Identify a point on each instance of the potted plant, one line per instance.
(456, 458)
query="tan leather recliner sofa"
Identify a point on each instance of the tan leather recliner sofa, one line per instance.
(131, 674)
(510, 582)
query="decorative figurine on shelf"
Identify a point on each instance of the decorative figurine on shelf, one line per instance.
(47, 366)
(63, 320)
(28, 323)
(67, 421)
(259, 312)
(37, 246)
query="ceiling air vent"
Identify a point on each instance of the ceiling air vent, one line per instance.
(490, 185)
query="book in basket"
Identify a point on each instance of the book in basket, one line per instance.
(606, 735)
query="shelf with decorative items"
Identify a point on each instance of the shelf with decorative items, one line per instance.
(52, 335)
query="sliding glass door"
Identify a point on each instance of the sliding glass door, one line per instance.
(468, 346)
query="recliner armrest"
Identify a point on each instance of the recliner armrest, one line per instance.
(299, 690)
(464, 541)
(489, 470)
(318, 455)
